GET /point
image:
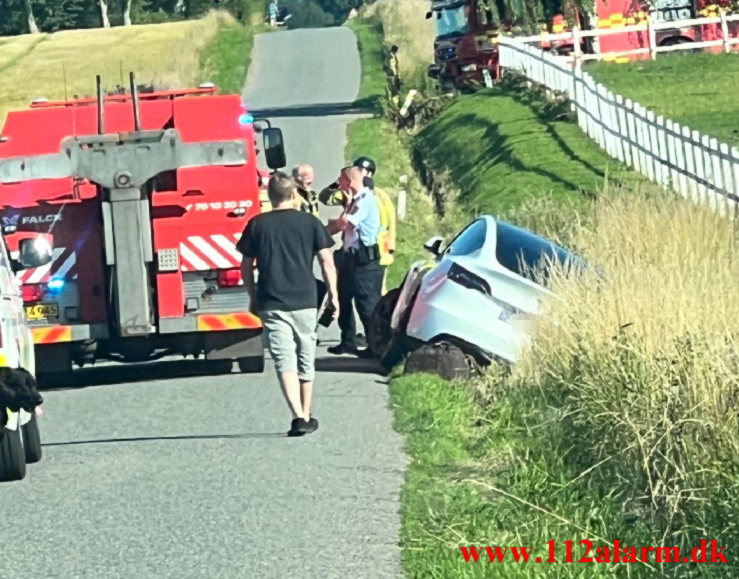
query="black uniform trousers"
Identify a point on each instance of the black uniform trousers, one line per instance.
(359, 285)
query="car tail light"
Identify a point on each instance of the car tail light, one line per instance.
(229, 277)
(32, 293)
(468, 279)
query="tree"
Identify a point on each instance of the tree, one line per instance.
(127, 13)
(32, 27)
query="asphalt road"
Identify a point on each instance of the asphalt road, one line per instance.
(157, 472)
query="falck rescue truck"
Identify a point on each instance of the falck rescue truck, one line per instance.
(143, 197)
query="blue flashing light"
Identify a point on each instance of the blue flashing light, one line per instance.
(246, 119)
(55, 285)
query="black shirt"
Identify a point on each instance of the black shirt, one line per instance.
(284, 243)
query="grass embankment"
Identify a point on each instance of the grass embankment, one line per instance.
(697, 90)
(404, 25)
(611, 434)
(225, 60)
(37, 66)
(378, 138)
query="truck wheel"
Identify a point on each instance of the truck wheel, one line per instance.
(251, 365)
(12, 459)
(32, 441)
(379, 333)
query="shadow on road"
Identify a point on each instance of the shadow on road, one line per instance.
(184, 437)
(112, 373)
(349, 366)
(367, 106)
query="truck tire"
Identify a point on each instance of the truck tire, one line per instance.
(12, 459)
(32, 441)
(251, 365)
(245, 347)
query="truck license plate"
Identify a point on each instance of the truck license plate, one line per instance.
(42, 311)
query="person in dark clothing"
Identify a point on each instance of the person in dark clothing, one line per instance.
(284, 242)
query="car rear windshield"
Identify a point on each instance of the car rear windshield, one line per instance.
(529, 255)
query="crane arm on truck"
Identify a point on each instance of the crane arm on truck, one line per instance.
(122, 164)
(162, 262)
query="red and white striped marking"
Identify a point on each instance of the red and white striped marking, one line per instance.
(63, 265)
(200, 253)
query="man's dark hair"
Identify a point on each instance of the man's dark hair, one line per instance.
(281, 188)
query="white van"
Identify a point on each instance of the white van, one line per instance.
(20, 442)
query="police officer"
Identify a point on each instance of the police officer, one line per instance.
(387, 217)
(360, 273)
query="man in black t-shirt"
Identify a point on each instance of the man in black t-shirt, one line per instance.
(283, 242)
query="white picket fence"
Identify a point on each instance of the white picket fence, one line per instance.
(675, 156)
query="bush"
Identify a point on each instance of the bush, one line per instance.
(646, 360)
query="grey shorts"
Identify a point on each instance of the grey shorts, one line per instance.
(292, 340)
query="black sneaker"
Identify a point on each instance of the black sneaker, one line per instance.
(299, 427)
(341, 349)
(312, 425)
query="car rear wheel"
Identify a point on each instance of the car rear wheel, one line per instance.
(32, 441)
(441, 358)
(12, 459)
(379, 333)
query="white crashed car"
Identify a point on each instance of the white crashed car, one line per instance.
(473, 294)
(20, 442)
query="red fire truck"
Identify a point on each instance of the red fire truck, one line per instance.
(143, 196)
(465, 47)
(616, 14)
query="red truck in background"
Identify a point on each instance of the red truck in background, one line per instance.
(144, 196)
(616, 14)
(465, 47)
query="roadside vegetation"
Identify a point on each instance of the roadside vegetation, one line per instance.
(226, 58)
(621, 422)
(53, 66)
(697, 90)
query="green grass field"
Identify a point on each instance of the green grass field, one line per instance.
(502, 149)
(215, 47)
(698, 90)
(225, 61)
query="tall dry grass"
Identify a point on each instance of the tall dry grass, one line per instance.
(655, 404)
(405, 25)
(167, 55)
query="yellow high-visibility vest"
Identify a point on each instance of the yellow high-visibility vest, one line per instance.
(386, 238)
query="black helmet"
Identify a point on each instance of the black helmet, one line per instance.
(365, 163)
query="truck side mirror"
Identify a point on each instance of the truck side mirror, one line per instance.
(34, 252)
(433, 71)
(274, 148)
(433, 245)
